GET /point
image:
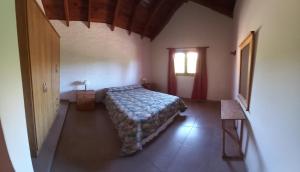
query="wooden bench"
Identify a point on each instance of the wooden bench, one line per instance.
(232, 111)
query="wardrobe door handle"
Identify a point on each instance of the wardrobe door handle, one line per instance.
(56, 68)
(45, 87)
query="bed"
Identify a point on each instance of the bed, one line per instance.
(139, 114)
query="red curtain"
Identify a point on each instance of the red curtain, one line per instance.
(172, 83)
(200, 80)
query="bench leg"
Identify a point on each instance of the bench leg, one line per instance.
(241, 138)
(223, 139)
(236, 139)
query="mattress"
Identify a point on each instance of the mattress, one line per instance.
(140, 114)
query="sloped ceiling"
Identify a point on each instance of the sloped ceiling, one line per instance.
(145, 17)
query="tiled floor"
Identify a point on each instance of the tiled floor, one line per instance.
(192, 143)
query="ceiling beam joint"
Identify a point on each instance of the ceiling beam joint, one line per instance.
(89, 13)
(152, 15)
(168, 18)
(115, 15)
(66, 8)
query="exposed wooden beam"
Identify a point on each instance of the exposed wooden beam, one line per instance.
(66, 7)
(168, 18)
(152, 15)
(89, 13)
(133, 12)
(116, 12)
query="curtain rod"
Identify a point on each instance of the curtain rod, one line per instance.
(188, 47)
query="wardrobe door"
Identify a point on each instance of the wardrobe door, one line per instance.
(55, 71)
(39, 57)
(50, 111)
(42, 52)
(38, 69)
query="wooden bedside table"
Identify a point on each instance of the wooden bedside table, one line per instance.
(86, 99)
(148, 86)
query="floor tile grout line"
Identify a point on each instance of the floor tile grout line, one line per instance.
(160, 170)
(180, 136)
(181, 145)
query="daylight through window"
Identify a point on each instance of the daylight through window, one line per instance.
(185, 63)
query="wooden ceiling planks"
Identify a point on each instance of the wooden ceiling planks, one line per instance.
(145, 17)
(101, 11)
(132, 16)
(152, 15)
(165, 18)
(123, 18)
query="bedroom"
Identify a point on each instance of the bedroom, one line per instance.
(105, 49)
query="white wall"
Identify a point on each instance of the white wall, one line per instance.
(194, 25)
(185, 86)
(12, 111)
(273, 144)
(103, 57)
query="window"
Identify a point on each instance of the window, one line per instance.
(179, 63)
(185, 63)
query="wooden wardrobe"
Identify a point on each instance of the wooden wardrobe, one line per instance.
(39, 46)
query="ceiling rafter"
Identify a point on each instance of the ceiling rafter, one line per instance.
(89, 13)
(67, 15)
(145, 17)
(168, 18)
(116, 12)
(152, 15)
(133, 12)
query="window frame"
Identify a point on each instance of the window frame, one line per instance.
(185, 62)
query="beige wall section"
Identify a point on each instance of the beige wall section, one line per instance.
(40, 3)
(195, 25)
(12, 111)
(103, 57)
(273, 144)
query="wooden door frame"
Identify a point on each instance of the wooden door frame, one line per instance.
(22, 28)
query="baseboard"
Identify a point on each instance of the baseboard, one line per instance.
(193, 100)
(43, 162)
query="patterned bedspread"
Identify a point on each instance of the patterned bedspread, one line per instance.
(138, 113)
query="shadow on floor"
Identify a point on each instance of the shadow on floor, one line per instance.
(192, 142)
